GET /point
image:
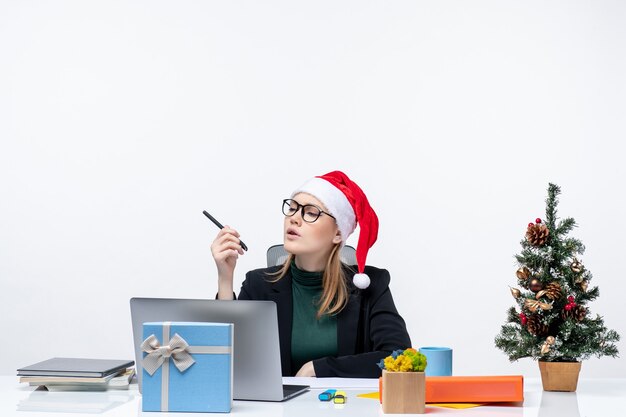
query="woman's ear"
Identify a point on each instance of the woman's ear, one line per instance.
(337, 238)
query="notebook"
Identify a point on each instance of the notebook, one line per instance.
(75, 367)
(257, 373)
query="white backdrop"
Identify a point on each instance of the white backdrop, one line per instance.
(121, 121)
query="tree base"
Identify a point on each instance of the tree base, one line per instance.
(559, 376)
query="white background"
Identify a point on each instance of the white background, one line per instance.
(120, 121)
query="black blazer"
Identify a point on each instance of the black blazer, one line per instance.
(368, 328)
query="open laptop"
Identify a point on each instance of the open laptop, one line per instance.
(257, 370)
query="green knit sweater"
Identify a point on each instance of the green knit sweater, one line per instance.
(310, 338)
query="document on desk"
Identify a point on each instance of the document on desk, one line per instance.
(325, 383)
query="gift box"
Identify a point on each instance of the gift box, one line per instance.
(187, 367)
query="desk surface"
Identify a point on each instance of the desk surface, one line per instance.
(595, 397)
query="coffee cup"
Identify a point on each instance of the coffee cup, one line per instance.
(438, 360)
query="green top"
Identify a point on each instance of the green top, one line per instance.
(310, 338)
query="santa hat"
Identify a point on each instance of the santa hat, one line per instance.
(348, 204)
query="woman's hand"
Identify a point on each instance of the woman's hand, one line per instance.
(306, 370)
(225, 249)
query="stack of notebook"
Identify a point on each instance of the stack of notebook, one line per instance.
(79, 374)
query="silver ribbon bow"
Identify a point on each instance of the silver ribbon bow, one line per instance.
(177, 349)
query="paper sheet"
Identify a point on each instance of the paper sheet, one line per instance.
(359, 383)
(335, 383)
(459, 406)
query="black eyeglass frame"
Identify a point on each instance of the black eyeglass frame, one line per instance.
(300, 208)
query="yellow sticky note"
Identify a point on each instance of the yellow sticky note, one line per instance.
(458, 406)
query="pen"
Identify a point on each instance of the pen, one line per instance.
(218, 224)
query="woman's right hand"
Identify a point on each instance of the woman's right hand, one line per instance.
(225, 249)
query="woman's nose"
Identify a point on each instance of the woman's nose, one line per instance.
(296, 218)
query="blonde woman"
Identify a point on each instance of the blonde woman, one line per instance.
(334, 321)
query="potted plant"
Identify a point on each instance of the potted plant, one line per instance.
(403, 382)
(551, 321)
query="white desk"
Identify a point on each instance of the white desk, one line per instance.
(595, 397)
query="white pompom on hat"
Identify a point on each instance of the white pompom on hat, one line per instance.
(345, 200)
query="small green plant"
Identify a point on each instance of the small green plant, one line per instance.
(408, 360)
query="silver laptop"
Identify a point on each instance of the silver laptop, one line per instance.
(256, 357)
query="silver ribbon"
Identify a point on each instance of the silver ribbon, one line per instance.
(157, 354)
(179, 350)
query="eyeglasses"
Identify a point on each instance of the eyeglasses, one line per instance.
(310, 213)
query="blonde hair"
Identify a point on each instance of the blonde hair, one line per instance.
(334, 289)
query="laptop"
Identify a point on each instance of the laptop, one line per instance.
(257, 373)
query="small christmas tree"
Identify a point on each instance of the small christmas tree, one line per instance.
(552, 321)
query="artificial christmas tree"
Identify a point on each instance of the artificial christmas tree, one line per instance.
(552, 322)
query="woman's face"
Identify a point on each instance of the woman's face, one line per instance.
(317, 238)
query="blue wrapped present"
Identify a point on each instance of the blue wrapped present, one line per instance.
(187, 367)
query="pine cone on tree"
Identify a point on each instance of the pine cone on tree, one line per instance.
(536, 326)
(537, 234)
(577, 313)
(553, 290)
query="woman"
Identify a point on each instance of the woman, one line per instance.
(332, 321)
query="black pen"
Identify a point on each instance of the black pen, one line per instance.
(218, 224)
